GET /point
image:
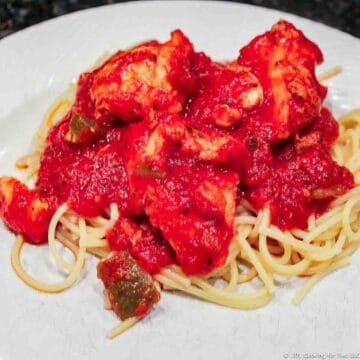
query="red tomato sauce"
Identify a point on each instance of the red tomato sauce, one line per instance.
(176, 140)
(88, 178)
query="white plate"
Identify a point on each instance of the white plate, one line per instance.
(35, 65)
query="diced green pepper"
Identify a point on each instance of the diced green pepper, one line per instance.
(79, 126)
(130, 289)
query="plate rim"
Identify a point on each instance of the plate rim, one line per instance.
(20, 33)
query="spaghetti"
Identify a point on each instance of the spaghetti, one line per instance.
(313, 253)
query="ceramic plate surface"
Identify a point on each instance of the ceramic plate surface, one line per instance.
(38, 64)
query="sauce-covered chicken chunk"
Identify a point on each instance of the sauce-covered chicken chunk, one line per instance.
(193, 205)
(149, 76)
(227, 94)
(284, 61)
(23, 211)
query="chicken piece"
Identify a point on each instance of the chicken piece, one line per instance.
(227, 95)
(284, 61)
(193, 206)
(214, 201)
(149, 76)
(130, 290)
(23, 211)
(206, 144)
(191, 201)
(329, 193)
(303, 142)
(322, 131)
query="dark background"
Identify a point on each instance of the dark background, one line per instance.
(341, 14)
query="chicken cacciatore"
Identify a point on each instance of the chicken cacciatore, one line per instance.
(176, 140)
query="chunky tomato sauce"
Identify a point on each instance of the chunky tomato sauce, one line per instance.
(176, 140)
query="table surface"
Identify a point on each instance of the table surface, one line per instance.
(341, 14)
